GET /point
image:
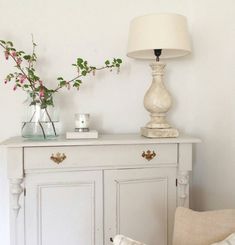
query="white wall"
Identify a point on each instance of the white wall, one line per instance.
(202, 84)
(213, 118)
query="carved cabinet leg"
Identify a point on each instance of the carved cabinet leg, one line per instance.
(15, 192)
(183, 185)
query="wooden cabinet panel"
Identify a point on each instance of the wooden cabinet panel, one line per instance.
(140, 203)
(64, 208)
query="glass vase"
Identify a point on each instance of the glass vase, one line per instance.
(38, 123)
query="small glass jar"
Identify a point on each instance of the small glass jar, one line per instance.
(82, 121)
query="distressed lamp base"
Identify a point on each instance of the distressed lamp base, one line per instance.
(157, 101)
(159, 132)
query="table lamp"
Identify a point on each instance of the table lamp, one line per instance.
(152, 37)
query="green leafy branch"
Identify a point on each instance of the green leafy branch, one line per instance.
(83, 69)
(27, 79)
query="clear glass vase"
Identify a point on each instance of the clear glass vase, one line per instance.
(38, 123)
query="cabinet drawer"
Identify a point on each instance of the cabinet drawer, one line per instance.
(103, 155)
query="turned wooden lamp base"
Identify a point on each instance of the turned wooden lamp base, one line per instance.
(157, 101)
(159, 132)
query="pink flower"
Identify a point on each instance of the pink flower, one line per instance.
(15, 87)
(68, 85)
(6, 81)
(18, 61)
(13, 53)
(21, 78)
(41, 93)
(6, 55)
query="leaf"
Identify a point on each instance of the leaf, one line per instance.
(10, 43)
(76, 85)
(62, 83)
(32, 103)
(81, 66)
(36, 78)
(79, 60)
(30, 72)
(3, 42)
(107, 62)
(119, 61)
(60, 78)
(84, 73)
(27, 57)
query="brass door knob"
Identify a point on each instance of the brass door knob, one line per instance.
(58, 157)
(148, 155)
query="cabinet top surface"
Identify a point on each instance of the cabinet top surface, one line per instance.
(106, 139)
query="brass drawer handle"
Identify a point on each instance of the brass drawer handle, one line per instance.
(58, 157)
(148, 155)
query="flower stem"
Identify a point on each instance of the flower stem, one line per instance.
(52, 123)
(90, 70)
(28, 121)
(44, 135)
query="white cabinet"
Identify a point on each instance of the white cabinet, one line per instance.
(84, 192)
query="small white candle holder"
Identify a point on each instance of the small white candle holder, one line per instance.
(82, 121)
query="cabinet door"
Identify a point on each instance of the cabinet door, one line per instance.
(64, 208)
(140, 203)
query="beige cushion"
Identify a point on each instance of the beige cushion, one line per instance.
(202, 228)
(230, 240)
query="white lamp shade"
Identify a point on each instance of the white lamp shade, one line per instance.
(158, 31)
